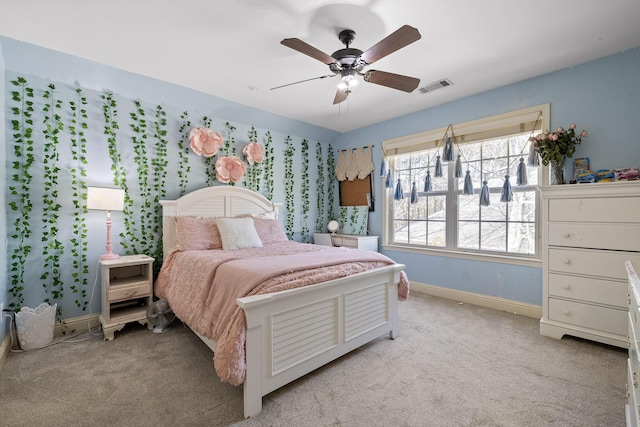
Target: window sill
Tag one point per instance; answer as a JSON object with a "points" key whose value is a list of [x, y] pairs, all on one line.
{"points": [[531, 261]]}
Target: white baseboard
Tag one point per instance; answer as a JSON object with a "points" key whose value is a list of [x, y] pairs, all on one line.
{"points": [[496, 303], [5, 347]]}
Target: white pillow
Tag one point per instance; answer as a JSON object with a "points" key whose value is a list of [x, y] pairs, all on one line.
{"points": [[238, 233]]}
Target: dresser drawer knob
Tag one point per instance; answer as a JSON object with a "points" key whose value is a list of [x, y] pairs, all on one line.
{"points": [[567, 235], [566, 286], [566, 261], [566, 311]]}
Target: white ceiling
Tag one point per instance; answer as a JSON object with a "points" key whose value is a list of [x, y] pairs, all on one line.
{"points": [[231, 49]]}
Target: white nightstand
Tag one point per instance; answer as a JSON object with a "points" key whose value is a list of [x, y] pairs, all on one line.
{"points": [[127, 292], [369, 243]]}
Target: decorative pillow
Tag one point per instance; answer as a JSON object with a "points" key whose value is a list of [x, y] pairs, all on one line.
{"points": [[197, 233], [238, 233], [269, 231]]}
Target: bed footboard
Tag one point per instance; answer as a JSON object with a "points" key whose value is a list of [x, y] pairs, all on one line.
{"points": [[294, 332]]}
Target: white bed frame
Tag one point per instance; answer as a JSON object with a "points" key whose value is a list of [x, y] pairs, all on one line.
{"points": [[291, 333]]}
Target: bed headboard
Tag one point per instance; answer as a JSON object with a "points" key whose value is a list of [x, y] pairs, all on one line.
{"points": [[218, 201]]}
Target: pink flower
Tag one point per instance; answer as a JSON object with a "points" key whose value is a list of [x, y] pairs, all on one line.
{"points": [[204, 141], [559, 130], [253, 152], [583, 134], [229, 168], [572, 126]]}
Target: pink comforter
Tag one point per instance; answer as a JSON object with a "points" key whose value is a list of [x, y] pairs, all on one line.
{"points": [[202, 286]]}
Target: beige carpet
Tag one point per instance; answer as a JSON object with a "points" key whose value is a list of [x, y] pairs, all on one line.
{"points": [[452, 365]]}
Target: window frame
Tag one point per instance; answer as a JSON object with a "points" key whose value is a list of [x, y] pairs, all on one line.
{"points": [[488, 127]]}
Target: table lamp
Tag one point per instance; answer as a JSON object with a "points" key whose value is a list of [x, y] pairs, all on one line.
{"points": [[106, 199]]}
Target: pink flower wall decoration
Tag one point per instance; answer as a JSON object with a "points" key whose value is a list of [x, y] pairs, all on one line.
{"points": [[229, 168], [253, 152], [204, 141]]}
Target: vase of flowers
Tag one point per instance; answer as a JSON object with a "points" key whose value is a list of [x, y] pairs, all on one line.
{"points": [[555, 147]]}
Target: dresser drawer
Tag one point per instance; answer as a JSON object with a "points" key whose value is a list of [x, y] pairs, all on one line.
{"points": [[596, 209], [625, 237], [587, 289], [603, 319], [117, 293], [609, 264]]}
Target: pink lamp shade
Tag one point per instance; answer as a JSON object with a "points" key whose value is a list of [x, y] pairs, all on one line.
{"points": [[106, 199]]}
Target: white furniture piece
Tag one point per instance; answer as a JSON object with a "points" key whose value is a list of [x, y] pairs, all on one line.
{"points": [[633, 362], [589, 231], [127, 292], [369, 243], [357, 309]]}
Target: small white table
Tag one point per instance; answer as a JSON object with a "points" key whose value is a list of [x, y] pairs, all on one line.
{"points": [[369, 243]]}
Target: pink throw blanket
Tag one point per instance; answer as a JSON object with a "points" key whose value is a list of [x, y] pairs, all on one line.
{"points": [[225, 276]]}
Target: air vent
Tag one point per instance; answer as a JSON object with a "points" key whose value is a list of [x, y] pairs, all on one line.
{"points": [[435, 85]]}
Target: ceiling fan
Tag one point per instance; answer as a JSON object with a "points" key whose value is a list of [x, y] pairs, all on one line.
{"points": [[350, 62]]}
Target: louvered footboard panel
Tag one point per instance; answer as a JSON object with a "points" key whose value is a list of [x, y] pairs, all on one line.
{"points": [[304, 332], [366, 309]]}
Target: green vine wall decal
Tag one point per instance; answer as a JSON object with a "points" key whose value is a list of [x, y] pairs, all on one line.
{"points": [[330, 171], [79, 189], [183, 153], [140, 234], [110, 113], [159, 163], [289, 152], [320, 196], [52, 249], [20, 191], [208, 161], [305, 190], [230, 143], [268, 166], [254, 171]]}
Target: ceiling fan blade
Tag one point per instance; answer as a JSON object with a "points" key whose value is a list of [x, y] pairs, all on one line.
{"points": [[307, 49], [402, 37], [302, 81], [395, 81], [341, 95]]}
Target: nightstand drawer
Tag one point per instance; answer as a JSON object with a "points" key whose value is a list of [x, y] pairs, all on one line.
{"points": [[589, 290], [624, 237], [119, 293], [603, 319], [608, 264]]}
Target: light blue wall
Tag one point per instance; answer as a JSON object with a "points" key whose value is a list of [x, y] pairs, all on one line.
{"points": [[602, 96], [3, 213]]}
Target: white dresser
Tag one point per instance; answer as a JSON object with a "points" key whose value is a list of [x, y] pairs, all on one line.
{"points": [[633, 363], [589, 231]]}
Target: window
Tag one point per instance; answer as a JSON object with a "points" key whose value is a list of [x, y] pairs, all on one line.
{"points": [[446, 219]]}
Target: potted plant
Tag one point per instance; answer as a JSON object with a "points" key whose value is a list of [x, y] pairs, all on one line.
{"points": [[555, 147]]}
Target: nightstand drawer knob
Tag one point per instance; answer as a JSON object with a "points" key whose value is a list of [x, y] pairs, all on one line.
{"points": [[567, 235], [566, 261], [566, 286], [566, 311]]}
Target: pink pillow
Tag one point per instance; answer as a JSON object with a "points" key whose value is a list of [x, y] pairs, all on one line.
{"points": [[269, 231], [197, 233]]}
